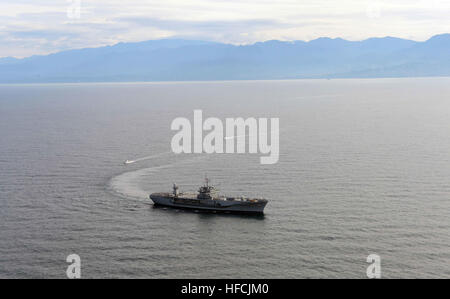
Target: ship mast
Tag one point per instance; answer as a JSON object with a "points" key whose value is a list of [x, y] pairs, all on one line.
{"points": [[175, 190]]}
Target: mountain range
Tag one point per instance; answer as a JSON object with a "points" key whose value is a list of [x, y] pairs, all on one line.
{"points": [[186, 60]]}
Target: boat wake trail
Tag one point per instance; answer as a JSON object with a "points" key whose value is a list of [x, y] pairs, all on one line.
{"points": [[146, 158], [232, 137], [137, 184], [127, 184]]}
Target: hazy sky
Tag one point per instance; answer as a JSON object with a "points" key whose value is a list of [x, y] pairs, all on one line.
{"points": [[45, 26]]}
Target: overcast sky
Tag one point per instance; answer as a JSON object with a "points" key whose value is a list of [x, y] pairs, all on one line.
{"points": [[46, 26]]}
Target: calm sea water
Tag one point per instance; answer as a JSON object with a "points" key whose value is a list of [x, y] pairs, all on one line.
{"points": [[364, 168]]}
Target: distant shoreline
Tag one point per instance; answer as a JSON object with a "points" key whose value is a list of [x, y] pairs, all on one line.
{"points": [[215, 81]]}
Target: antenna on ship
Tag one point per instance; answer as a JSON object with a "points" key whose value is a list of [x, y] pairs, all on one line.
{"points": [[206, 180], [175, 189]]}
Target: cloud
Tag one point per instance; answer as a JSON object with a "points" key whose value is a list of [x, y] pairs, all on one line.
{"points": [[231, 31], [42, 34], [206, 25]]}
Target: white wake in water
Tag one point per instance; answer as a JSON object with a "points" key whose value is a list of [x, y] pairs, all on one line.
{"points": [[146, 158], [232, 137], [129, 184]]}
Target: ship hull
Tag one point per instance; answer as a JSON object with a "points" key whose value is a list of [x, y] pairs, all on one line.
{"points": [[210, 205]]}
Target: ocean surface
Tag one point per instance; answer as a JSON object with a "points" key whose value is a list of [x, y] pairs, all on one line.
{"points": [[364, 169]]}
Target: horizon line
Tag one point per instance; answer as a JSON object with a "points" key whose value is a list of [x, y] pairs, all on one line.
{"points": [[216, 81]]}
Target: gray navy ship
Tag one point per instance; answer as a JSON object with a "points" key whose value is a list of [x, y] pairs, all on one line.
{"points": [[208, 199]]}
